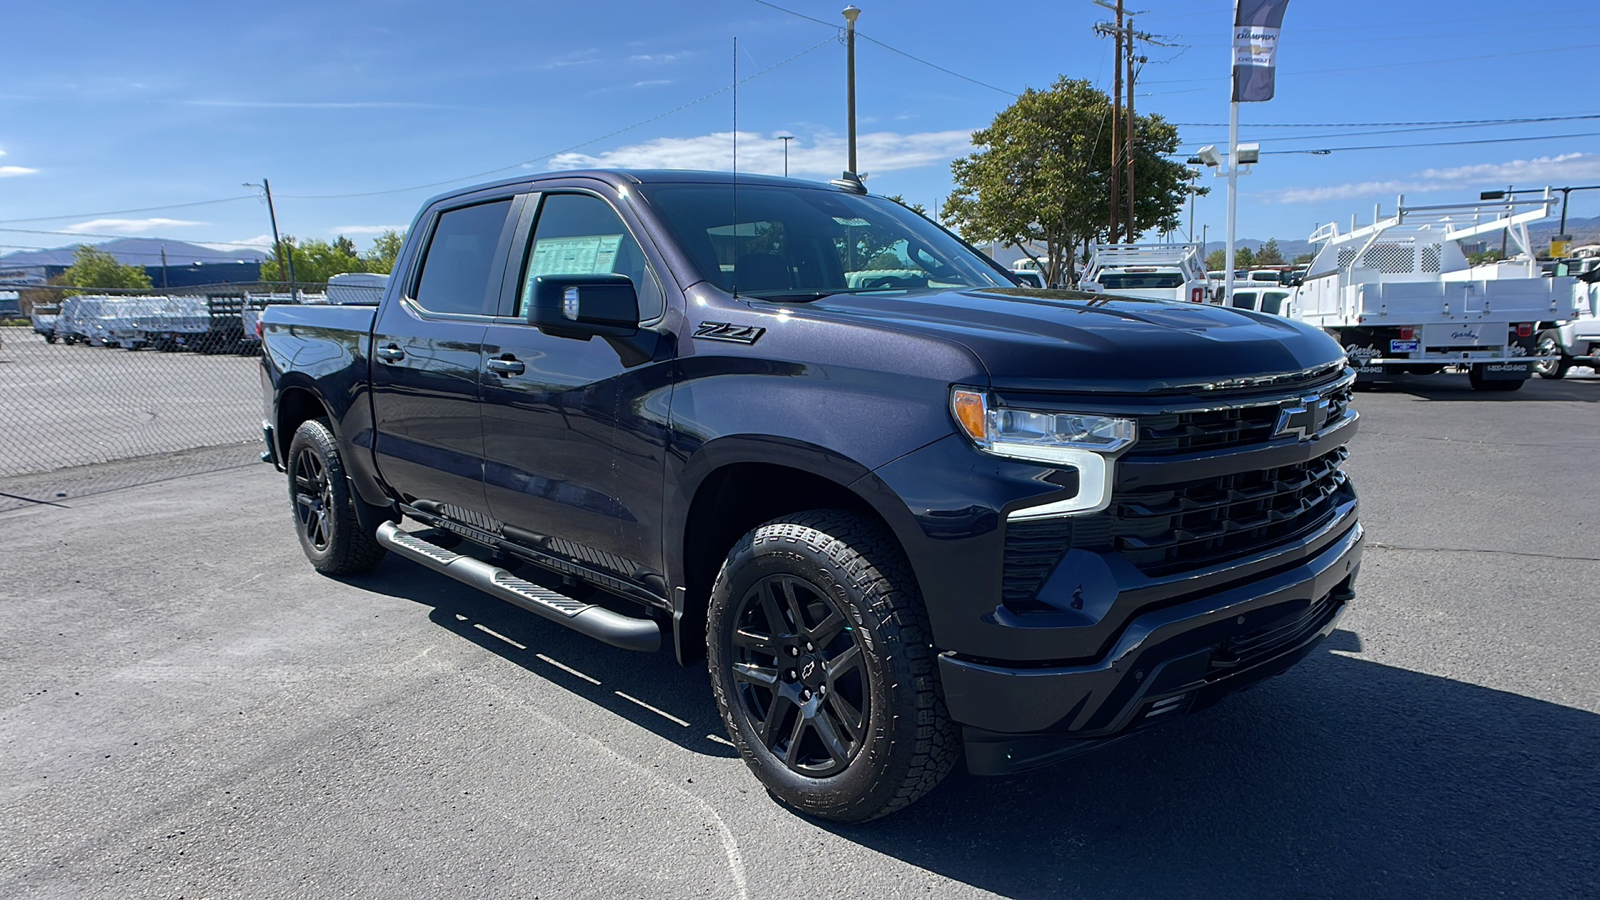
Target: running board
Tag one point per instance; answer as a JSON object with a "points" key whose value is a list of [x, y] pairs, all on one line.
{"points": [[597, 622]]}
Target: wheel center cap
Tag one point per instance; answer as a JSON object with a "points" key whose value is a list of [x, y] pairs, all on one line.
{"points": [[813, 671]]}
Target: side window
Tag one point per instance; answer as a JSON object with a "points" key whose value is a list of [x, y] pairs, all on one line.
{"points": [[578, 234], [461, 260]]}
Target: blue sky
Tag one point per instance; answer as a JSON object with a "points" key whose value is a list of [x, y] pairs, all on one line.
{"points": [[114, 115]]}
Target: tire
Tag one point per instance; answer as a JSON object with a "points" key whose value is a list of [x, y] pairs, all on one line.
{"points": [[836, 707], [322, 505], [1479, 383], [50, 338], [1548, 346]]}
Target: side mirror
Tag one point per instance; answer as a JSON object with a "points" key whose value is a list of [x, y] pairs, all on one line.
{"points": [[582, 306]]}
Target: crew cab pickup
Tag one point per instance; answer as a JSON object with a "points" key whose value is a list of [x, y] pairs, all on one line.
{"points": [[897, 517]]}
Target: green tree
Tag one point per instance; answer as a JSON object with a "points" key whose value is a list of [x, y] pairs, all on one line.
{"points": [[1216, 259], [1269, 254], [1243, 257], [315, 261], [94, 268], [1304, 259], [385, 250], [1042, 171]]}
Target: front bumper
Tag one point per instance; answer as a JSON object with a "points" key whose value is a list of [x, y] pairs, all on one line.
{"points": [[1166, 662]]}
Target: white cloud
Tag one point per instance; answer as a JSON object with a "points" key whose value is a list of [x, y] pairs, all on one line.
{"points": [[128, 226], [661, 57], [364, 229], [1567, 167], [826, 154], [259, 242], [14, 171]]}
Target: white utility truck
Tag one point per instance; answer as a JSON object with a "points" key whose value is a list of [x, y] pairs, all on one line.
{"points": [[1575, 342], [1401, 298], [1153, 271]]}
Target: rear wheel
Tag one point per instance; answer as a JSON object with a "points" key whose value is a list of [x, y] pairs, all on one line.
{"points": [[1551, 368], [324, 510], [820, 660]]}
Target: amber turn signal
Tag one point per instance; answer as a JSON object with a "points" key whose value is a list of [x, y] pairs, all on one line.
{"points": [[971, 414]]}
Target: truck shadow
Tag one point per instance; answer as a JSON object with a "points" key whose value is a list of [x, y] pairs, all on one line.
{"points": [[1343, 778], [649, 690], [1574, 388]]}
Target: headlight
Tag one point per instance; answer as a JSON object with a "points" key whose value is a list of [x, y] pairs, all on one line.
{"points": [[1079, 440], [1037, 435]]}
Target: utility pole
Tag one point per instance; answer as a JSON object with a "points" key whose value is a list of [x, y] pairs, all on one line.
{"points": [[277, 243], [163, 267], [1116, 129], [1128, 142], [850, 15]]}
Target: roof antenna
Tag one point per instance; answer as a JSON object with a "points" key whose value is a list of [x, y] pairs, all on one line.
{"points": [[736, 165]]}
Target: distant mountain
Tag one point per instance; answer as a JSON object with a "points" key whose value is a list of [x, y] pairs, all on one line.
{"points": [[137, 252]]}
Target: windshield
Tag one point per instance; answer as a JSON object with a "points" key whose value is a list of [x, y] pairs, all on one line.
{"points": [[796, 242], [1142, 280]]}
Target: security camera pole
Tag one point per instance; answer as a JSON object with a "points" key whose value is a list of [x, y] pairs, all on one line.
{"points": [[1256, 24]]}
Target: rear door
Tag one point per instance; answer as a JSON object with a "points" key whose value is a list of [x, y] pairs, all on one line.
{"points": [[426, 346], [574, 456]]}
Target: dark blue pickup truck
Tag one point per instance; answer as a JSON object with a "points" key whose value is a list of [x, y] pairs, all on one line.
{"points": [[900, 506]]}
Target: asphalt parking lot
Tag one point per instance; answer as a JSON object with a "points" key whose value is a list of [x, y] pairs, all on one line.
{"points": [[142, 403], [190, 711]]}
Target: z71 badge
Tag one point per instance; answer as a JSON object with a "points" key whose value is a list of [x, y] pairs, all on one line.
{"points": [[727, 331]]}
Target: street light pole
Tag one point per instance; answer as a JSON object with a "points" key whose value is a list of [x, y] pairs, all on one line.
{"points": [[850, 15], [786, 138]]}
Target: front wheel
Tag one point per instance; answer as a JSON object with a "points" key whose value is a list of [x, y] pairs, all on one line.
{"points": [[324, 510], [819, 653], [1551, 368]]}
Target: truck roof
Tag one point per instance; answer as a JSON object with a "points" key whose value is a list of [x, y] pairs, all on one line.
{"points": [[624, 177]]}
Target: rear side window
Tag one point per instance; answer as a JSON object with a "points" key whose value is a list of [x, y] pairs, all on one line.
{"points": [[461, 261], [579, 234]]}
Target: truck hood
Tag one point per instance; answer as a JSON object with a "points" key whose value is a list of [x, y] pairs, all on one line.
{"points": [[1068, 340]]}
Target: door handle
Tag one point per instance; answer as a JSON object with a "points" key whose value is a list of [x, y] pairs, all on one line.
{"points": [[390, 353], [506, 367]]}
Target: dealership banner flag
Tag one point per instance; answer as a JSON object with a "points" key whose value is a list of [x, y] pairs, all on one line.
{"points": [[1256, 24]]}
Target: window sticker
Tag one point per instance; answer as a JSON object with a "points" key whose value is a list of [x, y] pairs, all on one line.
{"points": [[593, 254]]}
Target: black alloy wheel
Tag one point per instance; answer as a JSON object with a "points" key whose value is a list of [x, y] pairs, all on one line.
{"points": [[313, 498], [798, 669], [330, 532], [823, 667]]}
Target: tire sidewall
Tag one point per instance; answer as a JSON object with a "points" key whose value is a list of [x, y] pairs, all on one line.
{"points": [[864, 777], [317, 437]]}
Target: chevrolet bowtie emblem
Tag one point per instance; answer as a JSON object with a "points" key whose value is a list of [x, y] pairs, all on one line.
{"points": [[1303, 417]]}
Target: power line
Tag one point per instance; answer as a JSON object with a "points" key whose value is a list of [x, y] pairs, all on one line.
{"points": [[518, 165], [909, 56], [1512, 140], [120, 212], [1398, 65], [121, 236], [1392, 124]]}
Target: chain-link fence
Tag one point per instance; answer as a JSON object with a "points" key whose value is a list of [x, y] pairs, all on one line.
{"points": [[104, 392]]}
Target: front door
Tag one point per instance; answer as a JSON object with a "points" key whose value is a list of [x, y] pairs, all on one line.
{"points": [[426, 348], [574, 456]]}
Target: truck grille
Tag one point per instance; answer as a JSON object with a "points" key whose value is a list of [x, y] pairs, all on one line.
{"points": [[1225, 428], [1173, 528]]}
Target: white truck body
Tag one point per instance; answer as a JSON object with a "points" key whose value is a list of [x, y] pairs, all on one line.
{"points": [[1152, 271], [1400, 295], [1575, 341]]}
